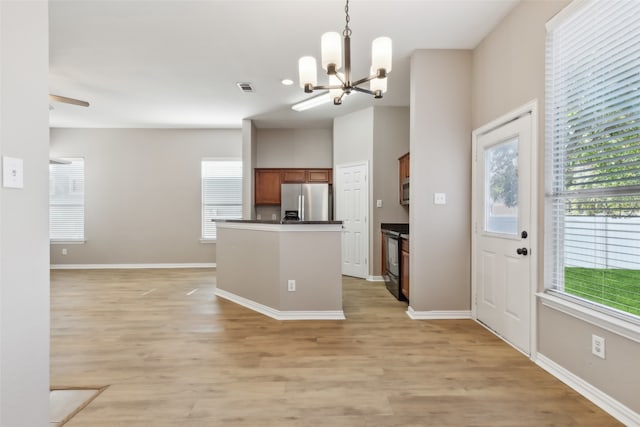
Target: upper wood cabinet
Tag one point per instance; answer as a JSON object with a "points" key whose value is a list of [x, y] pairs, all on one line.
{"points": [[267, 187], [404, 167], [267, 181], [320, 175], [293, 176]]}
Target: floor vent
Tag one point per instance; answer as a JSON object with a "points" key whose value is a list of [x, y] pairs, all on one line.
{"points": [[245, 87]]}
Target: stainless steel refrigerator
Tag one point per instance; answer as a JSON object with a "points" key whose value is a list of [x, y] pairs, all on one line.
{"points": [[306, 202]]}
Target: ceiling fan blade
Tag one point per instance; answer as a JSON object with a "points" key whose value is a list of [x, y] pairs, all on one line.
{"points": [[66, 100]]}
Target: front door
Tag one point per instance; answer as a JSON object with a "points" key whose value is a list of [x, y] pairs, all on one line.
{"points": [[502, 249], [352, 204]]}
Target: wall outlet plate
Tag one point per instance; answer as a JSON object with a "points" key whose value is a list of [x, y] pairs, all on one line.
{"points": [[439, 198], [12, 172], [598, 346], [291, 285]]}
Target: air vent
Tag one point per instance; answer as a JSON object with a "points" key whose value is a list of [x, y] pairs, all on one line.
{"points": [[245, 87]]}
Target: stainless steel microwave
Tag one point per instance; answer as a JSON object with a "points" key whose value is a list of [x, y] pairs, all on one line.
{"points": [[404, 192]]}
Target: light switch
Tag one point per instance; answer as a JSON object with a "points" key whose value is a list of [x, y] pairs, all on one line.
{"points": [[439, 198], [12, 173], [379, 203]]}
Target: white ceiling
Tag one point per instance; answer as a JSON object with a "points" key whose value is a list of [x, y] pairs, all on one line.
{"points": [[164, 64]]}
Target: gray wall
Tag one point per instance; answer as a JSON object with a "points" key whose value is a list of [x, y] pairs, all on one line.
{"points": [[142, 193], [353, 137], [390, 141], [294, 148], [440, 162], [24, 235], [311, 258], [377, 135], [509, 71], [290, 148], [248, 164]]}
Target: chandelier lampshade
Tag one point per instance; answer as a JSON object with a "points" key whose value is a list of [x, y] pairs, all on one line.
{"points": [[307, 71], [336, 55], [331, 47]]}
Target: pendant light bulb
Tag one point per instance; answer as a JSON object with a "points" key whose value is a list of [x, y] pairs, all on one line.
{"points": [[307, 71], [381, 54], [331, 46]]}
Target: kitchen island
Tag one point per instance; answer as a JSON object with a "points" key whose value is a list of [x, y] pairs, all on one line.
{"points": [[290, 270]]}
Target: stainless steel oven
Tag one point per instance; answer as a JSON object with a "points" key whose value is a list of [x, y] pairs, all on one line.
{"points": [[392, 251]]}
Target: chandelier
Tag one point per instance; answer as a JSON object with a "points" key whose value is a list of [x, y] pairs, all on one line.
{"points": [[340, 83]]}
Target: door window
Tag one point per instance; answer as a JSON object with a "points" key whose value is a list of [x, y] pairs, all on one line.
{"points": [[501, 188]]}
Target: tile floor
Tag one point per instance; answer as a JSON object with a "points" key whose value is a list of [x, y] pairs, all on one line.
{"points": [[64, 404]]}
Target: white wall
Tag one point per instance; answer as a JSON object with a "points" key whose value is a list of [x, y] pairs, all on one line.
{"points": [[24, 245], [142, 193], [440, 162]]}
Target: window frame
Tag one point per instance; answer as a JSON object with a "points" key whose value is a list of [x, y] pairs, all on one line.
{"points": [[601, 315], [69, 240], [203, 238]]}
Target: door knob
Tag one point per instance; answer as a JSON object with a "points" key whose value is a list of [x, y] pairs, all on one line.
{"points": [[522, 251], [524, 234]]}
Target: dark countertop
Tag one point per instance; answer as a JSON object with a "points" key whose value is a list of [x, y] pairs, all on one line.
{"points": [[400, 228], [261, 221]]}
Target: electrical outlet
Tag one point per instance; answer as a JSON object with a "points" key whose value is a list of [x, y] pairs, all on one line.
{"points": [[598, 346], [291, 285], [439, 199], [274, 217], [64, 251], [379, 203]]}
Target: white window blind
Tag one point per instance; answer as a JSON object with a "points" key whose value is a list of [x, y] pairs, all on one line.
{"points": [[221, 193], [66, 201], [593, 156]]}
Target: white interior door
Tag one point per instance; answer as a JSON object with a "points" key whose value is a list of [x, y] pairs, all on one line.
{"points": [[502, 249], [352, 203]]}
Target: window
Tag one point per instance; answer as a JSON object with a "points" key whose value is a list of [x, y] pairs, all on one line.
{"points": [[221, 193], [593, 157], [66, 200]]}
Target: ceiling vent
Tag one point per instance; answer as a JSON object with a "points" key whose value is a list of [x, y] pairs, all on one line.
{"points": [[245, 87]]}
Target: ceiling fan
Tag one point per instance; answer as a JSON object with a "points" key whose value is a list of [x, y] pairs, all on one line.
{"points": [[64, 99]]}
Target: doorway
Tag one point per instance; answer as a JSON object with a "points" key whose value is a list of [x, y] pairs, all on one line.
{"points": [[504, 227], [352, 208]]}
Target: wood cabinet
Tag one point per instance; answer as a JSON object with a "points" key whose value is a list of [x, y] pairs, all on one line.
{"points": [[293, 176], [404, 267], [403, 175], [320, 175], [267, 181], [267, 187], [404, 166]]}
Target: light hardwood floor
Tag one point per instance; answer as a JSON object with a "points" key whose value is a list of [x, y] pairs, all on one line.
{"points": [[173, 357]]}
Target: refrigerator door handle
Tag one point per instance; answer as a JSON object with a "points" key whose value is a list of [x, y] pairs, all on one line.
{"points": [[302, 206], [299, 207]]}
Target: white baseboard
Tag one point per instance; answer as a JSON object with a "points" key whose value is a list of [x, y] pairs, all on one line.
{"points": [[280, 315], [438, 314], [375, 279], [128, 266], [621, 412]]}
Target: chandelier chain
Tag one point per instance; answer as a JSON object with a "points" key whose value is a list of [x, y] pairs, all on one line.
{"points": [[347, 30]]}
